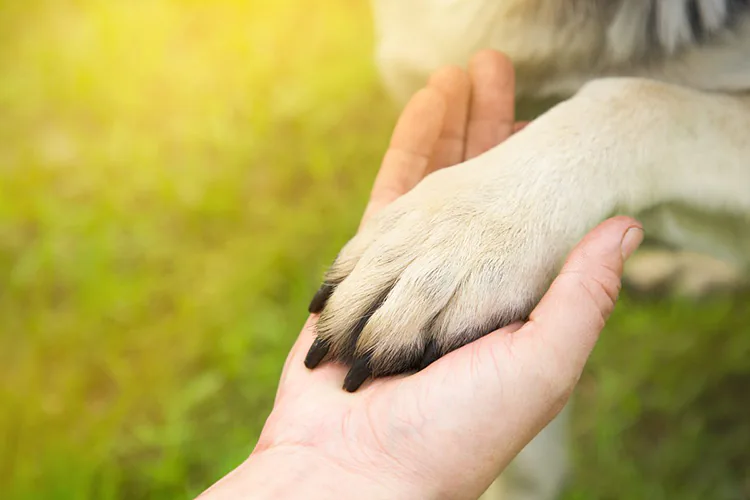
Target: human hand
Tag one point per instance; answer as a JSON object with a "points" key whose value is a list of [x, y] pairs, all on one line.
{"points": [[450, 429]]}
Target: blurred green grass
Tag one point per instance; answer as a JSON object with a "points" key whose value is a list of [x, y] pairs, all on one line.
{"points": [[175, 177]]}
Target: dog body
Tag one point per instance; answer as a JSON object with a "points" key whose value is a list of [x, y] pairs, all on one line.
{"points": [[657, 125], [557, 46]]}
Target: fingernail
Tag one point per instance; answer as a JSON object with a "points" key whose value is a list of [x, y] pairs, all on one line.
{"points": [[631, 241]]}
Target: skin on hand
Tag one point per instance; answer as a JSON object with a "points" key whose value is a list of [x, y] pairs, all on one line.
{"points": [[458, 116], [450, 429]]}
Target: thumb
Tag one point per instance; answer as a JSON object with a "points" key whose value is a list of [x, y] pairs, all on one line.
{"points": [[563, 329], [543, 358], [536, 366]]}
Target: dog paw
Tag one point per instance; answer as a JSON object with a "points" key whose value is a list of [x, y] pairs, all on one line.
{"points": [[440, 267]]}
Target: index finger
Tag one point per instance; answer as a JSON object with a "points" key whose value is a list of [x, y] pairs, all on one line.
{"points": [[411, 148]]}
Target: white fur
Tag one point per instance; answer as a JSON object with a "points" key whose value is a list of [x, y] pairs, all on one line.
{"points": [[713, 12], [557, 49], [673, 24]]}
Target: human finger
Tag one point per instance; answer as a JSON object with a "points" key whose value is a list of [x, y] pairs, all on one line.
{"points": [[411, 148], [518, 126], [492, 108], [568, 320], [455, 85]]}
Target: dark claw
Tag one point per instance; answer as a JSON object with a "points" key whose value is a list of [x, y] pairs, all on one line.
{"points": [[318, 301], [359, 372], [431, 354], [317, 352]]}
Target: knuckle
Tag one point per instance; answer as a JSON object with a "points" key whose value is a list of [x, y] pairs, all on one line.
{"points": [[603, 288]]}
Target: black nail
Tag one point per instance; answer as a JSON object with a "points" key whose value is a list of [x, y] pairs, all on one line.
{"points": [[320, 298], [431, 354], [317, 352], [359, 372]]}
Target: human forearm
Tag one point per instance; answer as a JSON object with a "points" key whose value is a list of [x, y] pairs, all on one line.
{"points": [[276, 474]]}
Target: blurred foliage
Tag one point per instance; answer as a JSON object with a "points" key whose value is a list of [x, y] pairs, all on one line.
{"points": [[175, 176]]}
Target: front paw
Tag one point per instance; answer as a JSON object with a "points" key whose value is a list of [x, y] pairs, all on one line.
{"points": [[442, 266]]}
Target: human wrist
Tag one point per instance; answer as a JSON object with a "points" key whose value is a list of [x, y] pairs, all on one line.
{"points": [[298, 472]]}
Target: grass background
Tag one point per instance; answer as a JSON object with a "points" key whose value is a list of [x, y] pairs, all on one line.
{"points": [[175, 177]]}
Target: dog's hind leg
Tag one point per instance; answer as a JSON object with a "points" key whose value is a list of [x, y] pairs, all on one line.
{"points": [[656, 271]]}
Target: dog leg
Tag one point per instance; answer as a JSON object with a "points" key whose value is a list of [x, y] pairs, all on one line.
{"points": [[473, 247]]}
